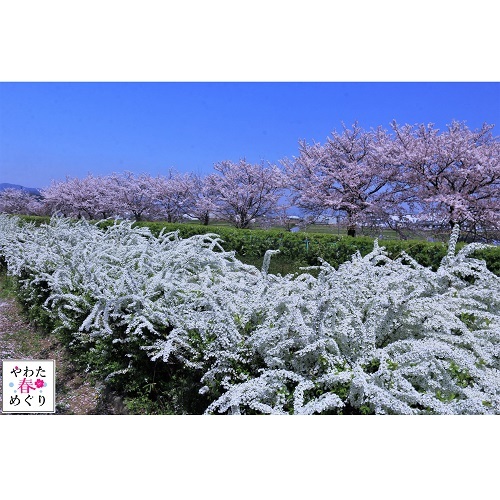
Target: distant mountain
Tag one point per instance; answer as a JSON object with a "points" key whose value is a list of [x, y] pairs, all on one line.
{"points": [[5, 185]]}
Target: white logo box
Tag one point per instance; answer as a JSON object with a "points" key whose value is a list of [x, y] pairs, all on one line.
{"points": [[29, 386]]}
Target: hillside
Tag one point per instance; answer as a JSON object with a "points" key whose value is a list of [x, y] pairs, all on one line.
{"points": [[5, 185]]}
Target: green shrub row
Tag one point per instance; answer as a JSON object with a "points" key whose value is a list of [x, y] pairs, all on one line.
{"points": [[304, 249]]}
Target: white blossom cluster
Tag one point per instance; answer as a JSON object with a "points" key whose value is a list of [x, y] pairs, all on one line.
{"points": [[374, 336]]}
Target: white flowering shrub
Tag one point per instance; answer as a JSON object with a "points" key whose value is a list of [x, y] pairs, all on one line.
{"points": [[374, 336]]}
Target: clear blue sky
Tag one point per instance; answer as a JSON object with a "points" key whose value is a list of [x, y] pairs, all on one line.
{"points": [[50, 130]]}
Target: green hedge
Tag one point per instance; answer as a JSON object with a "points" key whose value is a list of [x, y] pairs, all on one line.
{"points": [[38, 220], [303, 249]]}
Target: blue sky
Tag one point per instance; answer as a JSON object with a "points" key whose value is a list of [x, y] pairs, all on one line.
{"points": [[50, 130]]}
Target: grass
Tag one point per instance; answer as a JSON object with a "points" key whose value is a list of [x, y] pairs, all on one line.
{"points": [[7, 286], [28, 340], [30, 343], [335, 230], [278, 265], [386, 234]]}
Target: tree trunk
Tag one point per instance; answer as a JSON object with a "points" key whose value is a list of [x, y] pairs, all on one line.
{"points": [[351, 226]]}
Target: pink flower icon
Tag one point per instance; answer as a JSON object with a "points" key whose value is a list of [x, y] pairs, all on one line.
{"points": [[39, 383]]}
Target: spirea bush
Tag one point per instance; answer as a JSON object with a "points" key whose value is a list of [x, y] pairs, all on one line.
{"points": [[377, 335]]}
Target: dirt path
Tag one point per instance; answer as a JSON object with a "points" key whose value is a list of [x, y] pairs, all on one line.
{"points": [[75, 395]]}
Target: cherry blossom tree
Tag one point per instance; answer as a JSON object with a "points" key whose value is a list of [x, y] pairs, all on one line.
{"points": [[90, 197], [454, 175], [203, 203], [244, 192], [58, 198], [18, 201], [174, 194], [127, 195], [351, 174], [135, 195]]}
